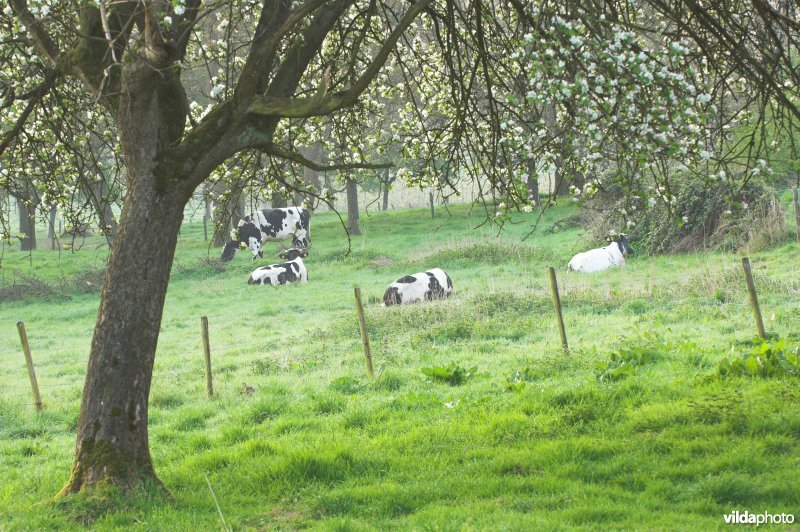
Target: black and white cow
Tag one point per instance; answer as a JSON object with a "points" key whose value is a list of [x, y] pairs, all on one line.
{"points": [[287, 272], [599, 259], [270, 225], [423, 286]]}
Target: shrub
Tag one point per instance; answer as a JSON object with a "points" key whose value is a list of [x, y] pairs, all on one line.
{"points": [[453, 375], [763, 360], [702, 216]]}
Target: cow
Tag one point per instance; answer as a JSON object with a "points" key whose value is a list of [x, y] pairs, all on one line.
{"points": [[287, 272], [599, 259], [422, 286], [270, 225]]}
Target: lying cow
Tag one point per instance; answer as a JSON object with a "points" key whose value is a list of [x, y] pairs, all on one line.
{"points": [[599, 259], [270, 225], [287, 272], [423, 286]]}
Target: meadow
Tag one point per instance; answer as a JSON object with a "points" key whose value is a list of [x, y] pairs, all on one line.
{"points": [[633, 427]]}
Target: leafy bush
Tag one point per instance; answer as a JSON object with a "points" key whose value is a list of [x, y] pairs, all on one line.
{"points": [[624, 363], [519, 379], [702, 216], [452, 374], [763, 360]]}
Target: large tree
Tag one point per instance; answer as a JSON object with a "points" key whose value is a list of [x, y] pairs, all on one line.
{"points": [[129, 56], [289, 65]]}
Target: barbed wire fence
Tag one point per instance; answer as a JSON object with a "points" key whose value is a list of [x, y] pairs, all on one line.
{"points": [[568, 294]]}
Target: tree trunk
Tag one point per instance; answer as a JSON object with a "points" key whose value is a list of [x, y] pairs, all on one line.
{"points": [[277, 201], [352, 207], [27, 224], [226, 217], [99, 194], [51, 226], [533, 183], [112, 430], [310, 176], [112, 442], [385, 197]]}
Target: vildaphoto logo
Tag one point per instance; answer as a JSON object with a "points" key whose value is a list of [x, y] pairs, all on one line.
{"points": [[746, 518]]}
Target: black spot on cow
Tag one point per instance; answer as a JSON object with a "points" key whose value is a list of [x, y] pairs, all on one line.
{"points": [[392, 296], [407, 279], [287, 275], [247, 231], [291, 211], [275, 219]]}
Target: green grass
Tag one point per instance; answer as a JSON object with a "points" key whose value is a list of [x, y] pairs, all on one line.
{"points": [[532, 439]]}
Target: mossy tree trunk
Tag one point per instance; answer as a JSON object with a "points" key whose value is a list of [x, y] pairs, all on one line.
{"points": [[112, 443]]}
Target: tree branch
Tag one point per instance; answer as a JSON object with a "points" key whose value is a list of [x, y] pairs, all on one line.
{"points": [[44, 42], [314, 106], [274, 149]]}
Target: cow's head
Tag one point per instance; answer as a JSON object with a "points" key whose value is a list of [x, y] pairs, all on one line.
{"points": [[622, 242], [249, 235], [293, 253]]}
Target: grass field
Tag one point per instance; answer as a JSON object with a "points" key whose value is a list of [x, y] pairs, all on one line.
{"points": [[533, 438]]}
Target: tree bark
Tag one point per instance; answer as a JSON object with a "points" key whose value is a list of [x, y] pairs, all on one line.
{"points": [[352, 207], [27, 224], [112, 442], [385, 197], [112, 430]]}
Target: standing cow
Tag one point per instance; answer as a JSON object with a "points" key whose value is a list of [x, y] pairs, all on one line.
{"points": [[270, 225], [599, 259], [288, 272], [423, 286]]}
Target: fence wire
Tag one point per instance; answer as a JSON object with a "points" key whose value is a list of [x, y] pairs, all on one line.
{"points": [[578, 295]]}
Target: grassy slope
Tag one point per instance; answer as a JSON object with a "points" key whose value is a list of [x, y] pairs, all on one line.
{"points": [[319, 445]]}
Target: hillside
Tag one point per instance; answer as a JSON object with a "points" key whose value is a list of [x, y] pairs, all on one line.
{"points": [[632, 428]]}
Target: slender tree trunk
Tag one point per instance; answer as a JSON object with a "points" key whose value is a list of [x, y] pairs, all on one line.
{"points": [[277, 201], [352, 207], [385, 197], [226, 217], [27, 225], [310, 176], [51, 226], [99, 194], [533, 183]]}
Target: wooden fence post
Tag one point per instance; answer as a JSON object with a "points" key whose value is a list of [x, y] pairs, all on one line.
{"points": [[207, 353], [751, 287], [362, 323], [796, 213], [26, 349], [557, 307]]}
